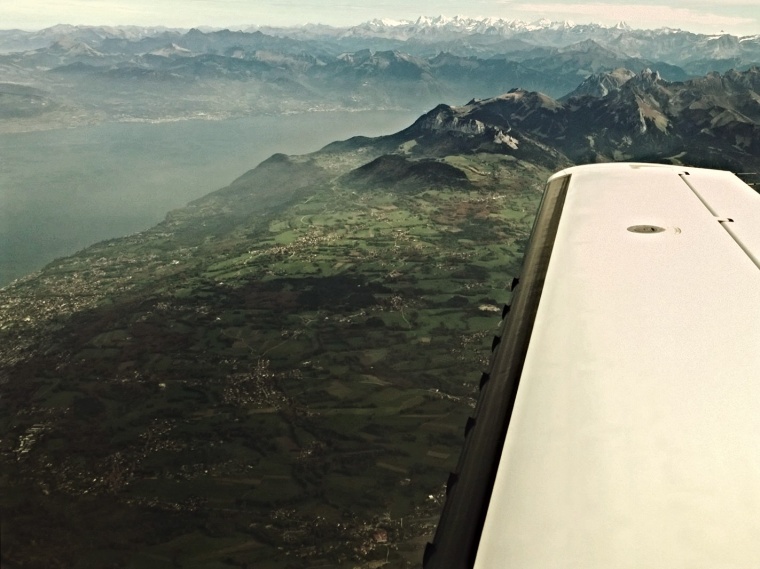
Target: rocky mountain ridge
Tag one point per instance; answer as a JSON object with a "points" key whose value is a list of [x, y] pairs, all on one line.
{"points": [[664, 44], [711, 121]]}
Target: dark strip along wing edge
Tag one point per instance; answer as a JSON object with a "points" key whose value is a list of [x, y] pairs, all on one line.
{"points": [[469, 488]]}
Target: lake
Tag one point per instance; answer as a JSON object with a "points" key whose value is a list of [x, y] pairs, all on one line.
{"points": [[62, 190]]}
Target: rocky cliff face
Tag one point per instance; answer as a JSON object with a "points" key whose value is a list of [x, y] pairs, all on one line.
{"points": [[601, 84]]}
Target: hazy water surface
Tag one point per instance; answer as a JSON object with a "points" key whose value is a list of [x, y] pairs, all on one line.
{"points": [[62, 190]]}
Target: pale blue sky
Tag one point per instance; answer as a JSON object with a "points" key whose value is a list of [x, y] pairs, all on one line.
{"points": [[740, 17]]}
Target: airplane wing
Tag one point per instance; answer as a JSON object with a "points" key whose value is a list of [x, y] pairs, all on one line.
{"points": [[619, 422]]}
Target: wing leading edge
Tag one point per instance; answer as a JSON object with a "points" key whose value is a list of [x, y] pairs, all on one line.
{"points": [[616, 425]]}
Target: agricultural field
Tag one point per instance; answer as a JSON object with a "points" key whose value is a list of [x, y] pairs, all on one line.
{"points": [[276, 376]]}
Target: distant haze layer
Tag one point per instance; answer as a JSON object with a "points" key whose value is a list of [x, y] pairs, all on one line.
{"points": [[739, 17]]}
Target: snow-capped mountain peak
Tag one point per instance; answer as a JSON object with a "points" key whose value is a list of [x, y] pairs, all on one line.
{"points": [[442, 26]]}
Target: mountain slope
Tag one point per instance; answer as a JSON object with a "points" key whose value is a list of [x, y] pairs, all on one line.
{"points": [[284, 362]]}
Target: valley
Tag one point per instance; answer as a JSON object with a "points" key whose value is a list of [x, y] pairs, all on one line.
{"points": [[313, 364]]}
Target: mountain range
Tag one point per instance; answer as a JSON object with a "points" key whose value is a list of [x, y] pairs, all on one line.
{"points": [[278, 373], [150, 74]]}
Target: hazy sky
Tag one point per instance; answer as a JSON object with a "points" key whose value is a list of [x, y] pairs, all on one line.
{"points": [[740, 17]]}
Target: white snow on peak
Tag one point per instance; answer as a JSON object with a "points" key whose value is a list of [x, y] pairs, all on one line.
{"points": [[433, 25], [171, 49], [385, 23]]}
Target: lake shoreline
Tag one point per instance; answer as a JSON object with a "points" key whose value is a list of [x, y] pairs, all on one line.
{"points": [[62, 190]]}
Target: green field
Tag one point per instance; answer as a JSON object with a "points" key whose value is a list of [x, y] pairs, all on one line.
{"points": [[265, 389]]}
